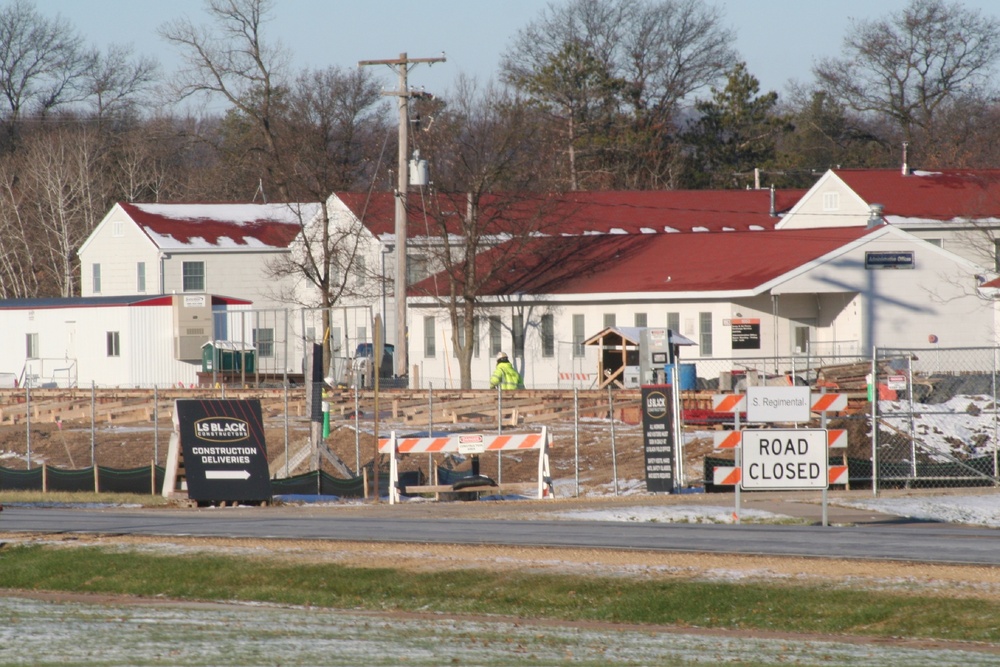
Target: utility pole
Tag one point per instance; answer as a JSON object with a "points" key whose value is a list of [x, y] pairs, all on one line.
{"points": [[401, 66]]}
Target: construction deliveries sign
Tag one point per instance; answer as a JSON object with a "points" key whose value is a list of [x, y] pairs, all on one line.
{"points": [[225, 458]]}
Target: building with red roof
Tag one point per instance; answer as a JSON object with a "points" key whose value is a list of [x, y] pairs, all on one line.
{"points": [[765, 295], [798, 272], [956, 209]]}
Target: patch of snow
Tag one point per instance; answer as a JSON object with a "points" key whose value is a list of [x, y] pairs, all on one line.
{"points": [[978, 510]]}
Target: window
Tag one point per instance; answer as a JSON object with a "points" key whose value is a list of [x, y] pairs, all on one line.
{"points": [[802, 335], [495, 336], [609, 320], [674, 322], [140, 277], [263, 340], [96, 273], [334, 339], [578, 335], [359, 271], [416, 269], [117, 228], [705, 333], [801, 339], [430, 350], [640, 320], [517, 328], [193, 277], [31, 345], [831, 201], [461, 336], [996, 255], [114, 345], [335, 272], [548, 336]]}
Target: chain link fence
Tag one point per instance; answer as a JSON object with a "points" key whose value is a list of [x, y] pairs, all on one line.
{"points": [[936, 412], [937, 417]]}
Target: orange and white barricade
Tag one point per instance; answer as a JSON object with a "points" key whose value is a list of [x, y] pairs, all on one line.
{"points": [[469, 443]]}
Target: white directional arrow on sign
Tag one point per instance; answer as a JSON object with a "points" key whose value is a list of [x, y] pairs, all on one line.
{"points": [[227, 474]]}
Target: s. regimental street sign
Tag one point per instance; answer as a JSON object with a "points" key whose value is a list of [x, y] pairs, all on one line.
{"points": [[658, 437], [225, 458]]}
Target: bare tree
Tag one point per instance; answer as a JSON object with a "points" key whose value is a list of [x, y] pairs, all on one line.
{"points": [[613, 73], [229, 58], [304, 138], [913, 64], [483, 147], [115, 81], [19, 277], [42, 62], [63, 175]]}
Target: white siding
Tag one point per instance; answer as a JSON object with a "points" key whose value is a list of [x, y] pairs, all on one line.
{"points": [[118, 256], [814, 209], [241, 275]]}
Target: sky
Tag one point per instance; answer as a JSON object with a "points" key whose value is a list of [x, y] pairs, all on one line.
{"points": [[780, 40]]}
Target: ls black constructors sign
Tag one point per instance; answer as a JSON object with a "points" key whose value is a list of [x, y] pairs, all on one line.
{"points": [[225, 458], [658, 437]]}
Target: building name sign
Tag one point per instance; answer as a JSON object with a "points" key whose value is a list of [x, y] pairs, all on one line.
{"points": [[902, 259]]}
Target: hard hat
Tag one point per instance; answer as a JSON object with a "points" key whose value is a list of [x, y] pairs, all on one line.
{"points": [[501, 356]]}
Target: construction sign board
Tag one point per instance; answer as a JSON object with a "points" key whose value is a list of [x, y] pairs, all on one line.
{"points": [[785, 459], [658, 437], [222, 441]]}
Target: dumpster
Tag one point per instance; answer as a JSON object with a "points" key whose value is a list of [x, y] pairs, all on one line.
{"points": [[228, 356]]}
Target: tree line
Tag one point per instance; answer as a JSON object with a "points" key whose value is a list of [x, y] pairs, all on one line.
{"points": [[590, 95]]}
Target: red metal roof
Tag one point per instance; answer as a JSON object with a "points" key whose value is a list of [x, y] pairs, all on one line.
{"points": [[938, 195], [574, 213], [652, 262], [219, 225]]}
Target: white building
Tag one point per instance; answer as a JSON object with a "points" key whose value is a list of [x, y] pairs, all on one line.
{"points": [[750, 295], [129, 341], [704, 263]]}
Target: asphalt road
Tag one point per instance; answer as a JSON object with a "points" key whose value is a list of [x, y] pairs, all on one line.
{"points": [[904, 541]]}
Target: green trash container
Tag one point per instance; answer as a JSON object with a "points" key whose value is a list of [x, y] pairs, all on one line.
{"points": [[226, 356]]}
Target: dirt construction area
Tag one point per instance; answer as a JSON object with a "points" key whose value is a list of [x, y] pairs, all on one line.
{"points": [[586, 458], [595, 451]]}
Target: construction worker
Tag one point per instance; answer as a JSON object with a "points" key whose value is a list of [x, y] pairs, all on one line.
{"points": [[505, 375]]}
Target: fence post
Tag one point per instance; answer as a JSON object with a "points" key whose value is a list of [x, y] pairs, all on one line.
{"points": [[996, 468], [357, 436], [614, 453], [285, 387], [97, 481], [156, 426], [874, 412], [913, 428], [93, 422], [430, 426], [576, 438], [27, 420]]}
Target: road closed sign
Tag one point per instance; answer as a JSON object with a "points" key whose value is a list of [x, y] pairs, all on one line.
{"points": [[784, 459]]}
